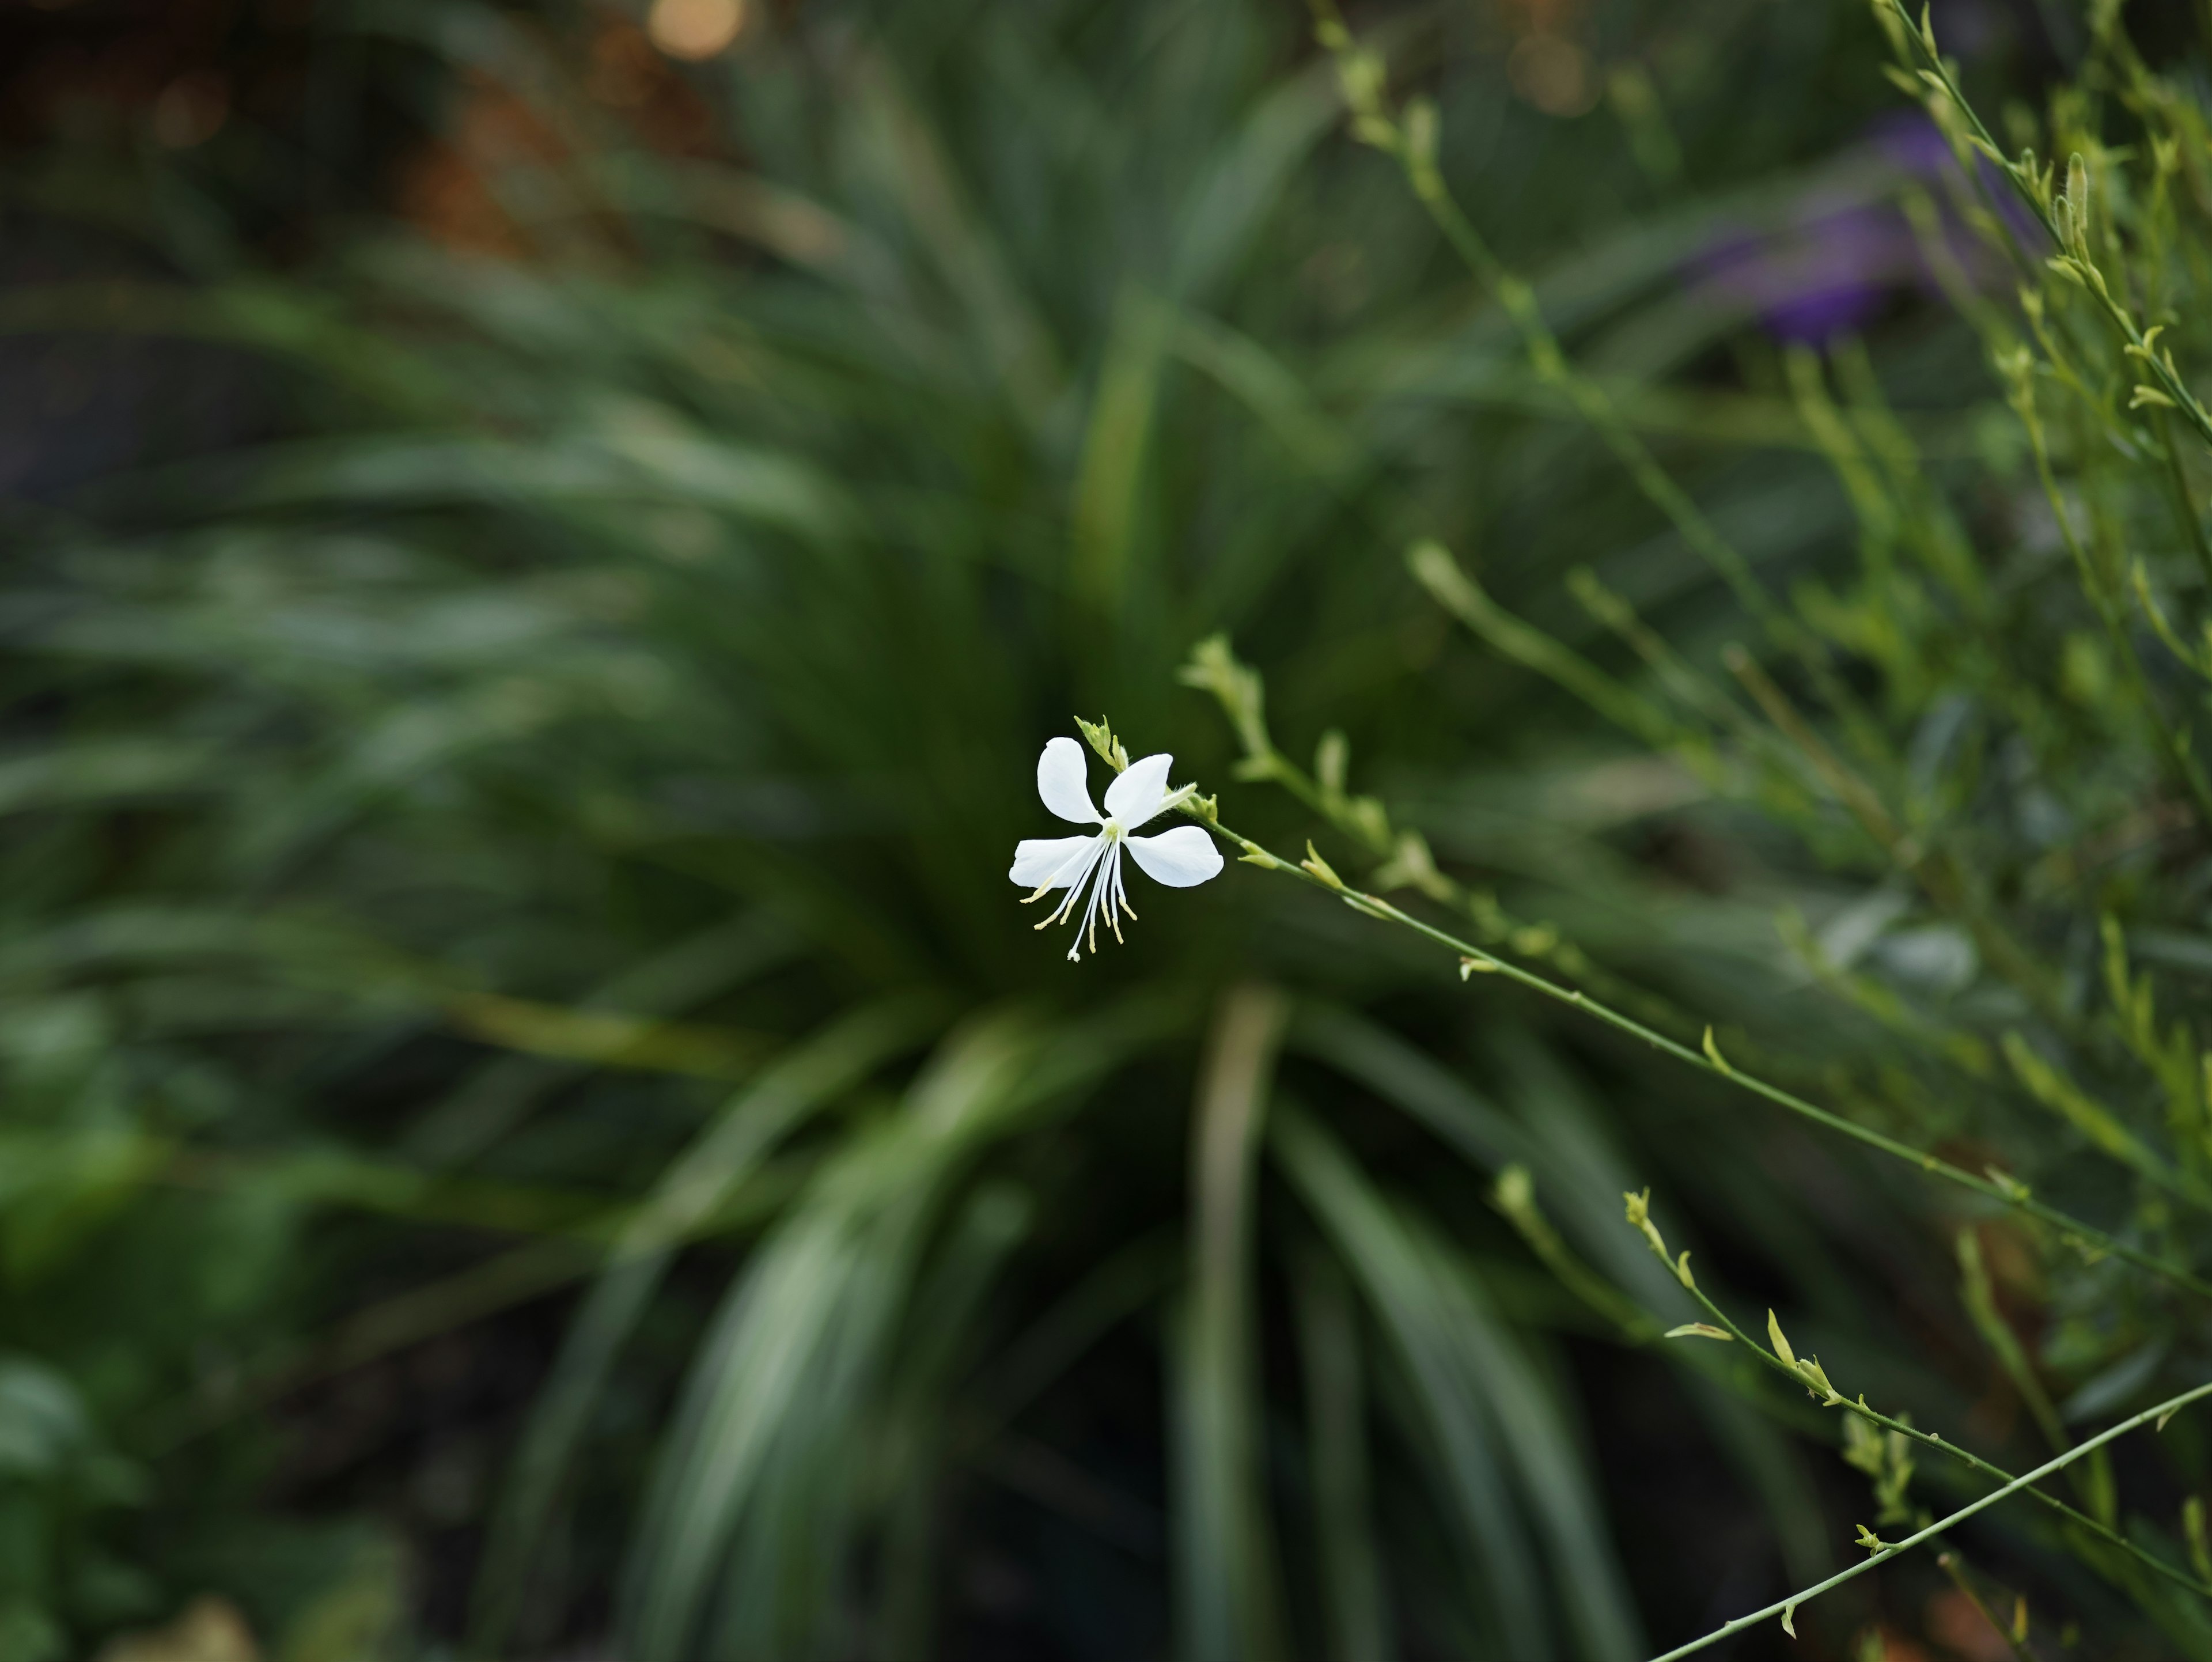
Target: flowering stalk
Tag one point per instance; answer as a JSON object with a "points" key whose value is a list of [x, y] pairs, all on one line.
{"points": [[1364, 821], [1996, 1186]]}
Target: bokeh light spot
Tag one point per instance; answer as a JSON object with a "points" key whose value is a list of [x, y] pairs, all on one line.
{"points": [[1554, 74], [695, 30]]}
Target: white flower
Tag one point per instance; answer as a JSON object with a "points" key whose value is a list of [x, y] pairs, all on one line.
{"points": [[1179, 858]]}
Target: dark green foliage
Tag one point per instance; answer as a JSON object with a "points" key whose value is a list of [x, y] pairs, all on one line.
{"points": [[519, 1047]]}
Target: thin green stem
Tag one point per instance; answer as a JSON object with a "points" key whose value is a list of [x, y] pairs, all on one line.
{"points": [[2073, 261], [2186, 774], [1788, 1606], [2185, 510], [1997, 1186], [1411, 140], [1952, 1566], [1929, 1439], [1365, 822]]}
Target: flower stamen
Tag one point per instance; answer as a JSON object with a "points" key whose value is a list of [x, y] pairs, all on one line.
{"points": [[1113, 918], [1074, 888]]}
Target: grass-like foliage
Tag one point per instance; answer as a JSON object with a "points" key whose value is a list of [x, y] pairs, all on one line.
{"points": [[533, 1116]]}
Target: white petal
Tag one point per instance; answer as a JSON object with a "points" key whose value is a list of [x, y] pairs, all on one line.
{"points": [[1049, 862], [1136, 793], [1060, 781], [1180, 858]]}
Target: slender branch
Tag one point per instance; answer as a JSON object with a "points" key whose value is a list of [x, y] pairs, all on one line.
{"points": [[1995, 1186], [1832, 1398], [1787, 1607], [1365, 822], [1410, 137], [1951, 1565], [2065, 221], [2185, 510], [2094, 584]]}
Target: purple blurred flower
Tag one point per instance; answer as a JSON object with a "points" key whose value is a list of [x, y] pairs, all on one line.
{"points": [[1825, 275], [1844, 253]]}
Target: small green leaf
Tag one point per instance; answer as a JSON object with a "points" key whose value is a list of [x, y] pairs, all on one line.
{"points": [[1713, 1055], [1775, 1338]]}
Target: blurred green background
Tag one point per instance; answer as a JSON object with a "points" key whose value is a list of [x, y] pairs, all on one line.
{"points": [[543, 544]]}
